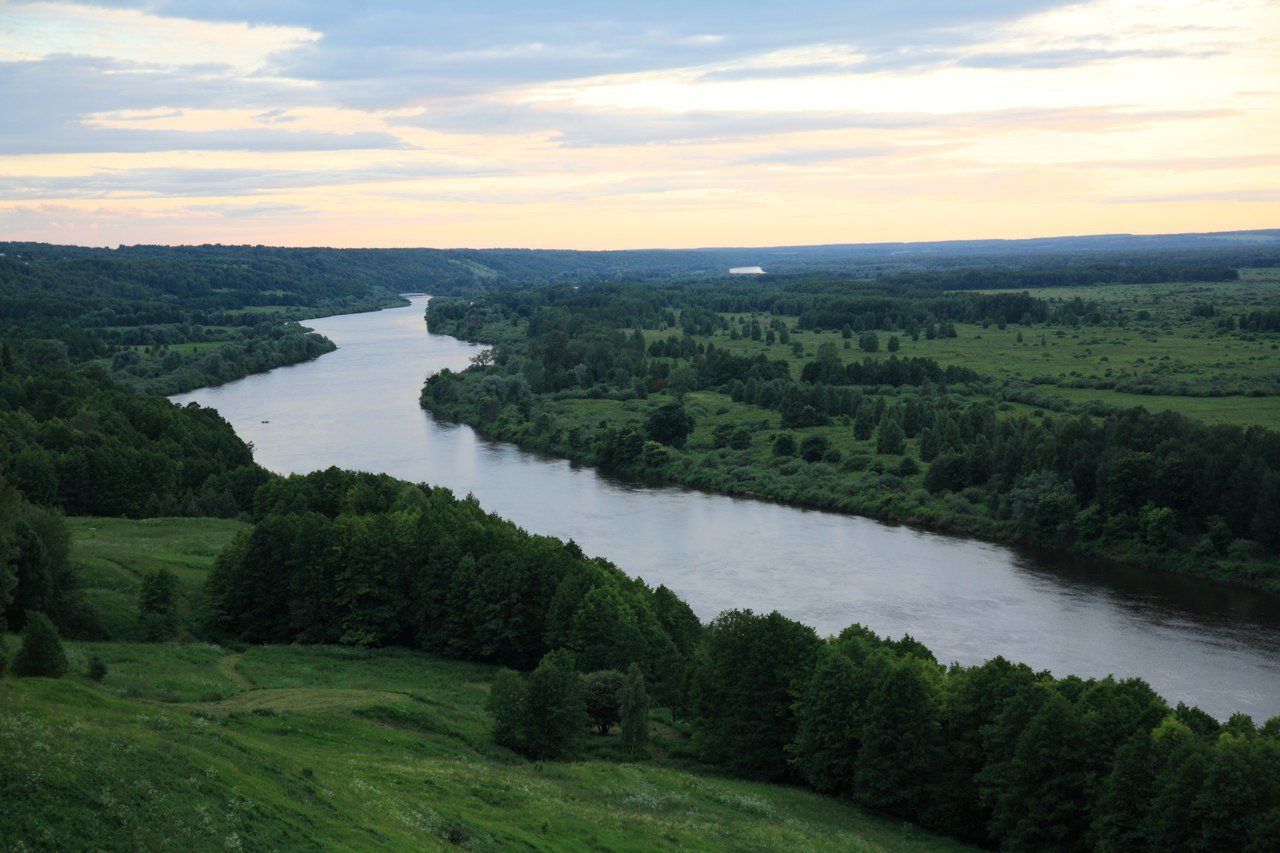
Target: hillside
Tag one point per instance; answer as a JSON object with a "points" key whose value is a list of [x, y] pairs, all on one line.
{"points": [[197, 746]]}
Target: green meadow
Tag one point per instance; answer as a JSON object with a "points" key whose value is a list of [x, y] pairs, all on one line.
{"points": [[1162, 345]]}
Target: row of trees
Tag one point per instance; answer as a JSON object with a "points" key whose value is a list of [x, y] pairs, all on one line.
{"points": [[341, 557], [996, 755]]}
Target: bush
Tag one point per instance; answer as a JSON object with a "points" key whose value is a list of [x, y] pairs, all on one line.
{"points": [[97, 668], [41, 654]]}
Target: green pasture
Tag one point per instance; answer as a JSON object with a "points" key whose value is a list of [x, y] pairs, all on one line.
{"points": [[1194, 366]]}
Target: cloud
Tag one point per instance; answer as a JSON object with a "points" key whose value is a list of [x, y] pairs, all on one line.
{"points": [[1246, 196], [815, 156], [40, 30], [173, 182]]}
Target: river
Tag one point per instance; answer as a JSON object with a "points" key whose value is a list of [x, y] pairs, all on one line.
{"points": [[1208, 645]]}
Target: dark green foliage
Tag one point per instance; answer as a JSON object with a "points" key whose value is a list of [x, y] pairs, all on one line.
{"points": [[828, 724], [890, 438], [82, 444], [634, 711], [505, 705], [784, 444], [157, 604], [669, 424], [41, 653], [1042, 797], [604, 698], [747, 675], [555, 712], [543, 716], [97, 669], [363, 559], [814, 447], [900, 762]]}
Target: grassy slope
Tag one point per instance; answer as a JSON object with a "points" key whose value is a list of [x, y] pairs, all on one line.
{"points": [[194, 746], [343, 749], [112, 555]]}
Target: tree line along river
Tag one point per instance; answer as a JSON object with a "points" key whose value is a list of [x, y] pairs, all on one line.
{"points": [[1209, 645]]}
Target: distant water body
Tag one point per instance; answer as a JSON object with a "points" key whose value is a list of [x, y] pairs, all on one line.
{"points": [[1212, 646]]}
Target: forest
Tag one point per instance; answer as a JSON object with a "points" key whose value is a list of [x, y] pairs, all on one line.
{"points": [[816, 389]]}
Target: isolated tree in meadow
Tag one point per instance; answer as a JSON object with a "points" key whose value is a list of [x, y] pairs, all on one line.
{"points": [[157, 602], [41, 654], [634, 710], [864, 422]]}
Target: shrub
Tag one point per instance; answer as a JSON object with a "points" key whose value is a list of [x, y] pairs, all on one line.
{"points": [[41, 653], [97, 668]]}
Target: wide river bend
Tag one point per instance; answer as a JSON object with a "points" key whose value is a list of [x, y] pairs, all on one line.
{"points": [[1208, 645]]}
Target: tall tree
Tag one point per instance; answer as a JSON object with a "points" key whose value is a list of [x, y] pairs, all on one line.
{"points": [[634, 710]]}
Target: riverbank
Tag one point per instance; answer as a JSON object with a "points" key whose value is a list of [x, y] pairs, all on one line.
{"points": [[610, 434]]}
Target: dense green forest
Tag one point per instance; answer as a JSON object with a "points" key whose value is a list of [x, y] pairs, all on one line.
{"points": [[757, 388]]}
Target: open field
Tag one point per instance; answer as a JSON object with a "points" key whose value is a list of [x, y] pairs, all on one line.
{"points": [[339, 748], [1187, 362], [112, 555]]}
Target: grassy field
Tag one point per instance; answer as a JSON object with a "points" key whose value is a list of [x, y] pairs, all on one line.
{"points": [[1161, 344], [199, 747], [193, 746], [112, 555]]}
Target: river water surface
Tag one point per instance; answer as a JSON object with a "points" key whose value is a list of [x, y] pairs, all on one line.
{"points": [[1204, 644]]}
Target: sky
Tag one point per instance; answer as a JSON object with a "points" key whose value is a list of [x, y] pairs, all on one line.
{"points": [[610, 125]]}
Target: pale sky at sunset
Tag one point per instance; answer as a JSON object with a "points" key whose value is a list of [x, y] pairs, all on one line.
{"points": [[595, 125]]}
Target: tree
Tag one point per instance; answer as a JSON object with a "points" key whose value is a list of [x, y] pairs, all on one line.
{"points": [[900, 760], [749, 671], [505, 705], [156, 603], [894, 344], [814, 447], [828, 725], [604, 698], [868, 342], [890, 439], [555, 707], [669, 424], [41, 652], [784, 444], [634, 710], [681, 380]]}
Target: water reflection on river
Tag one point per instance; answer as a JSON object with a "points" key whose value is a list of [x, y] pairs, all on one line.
{"points": [[1215, 647]]}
